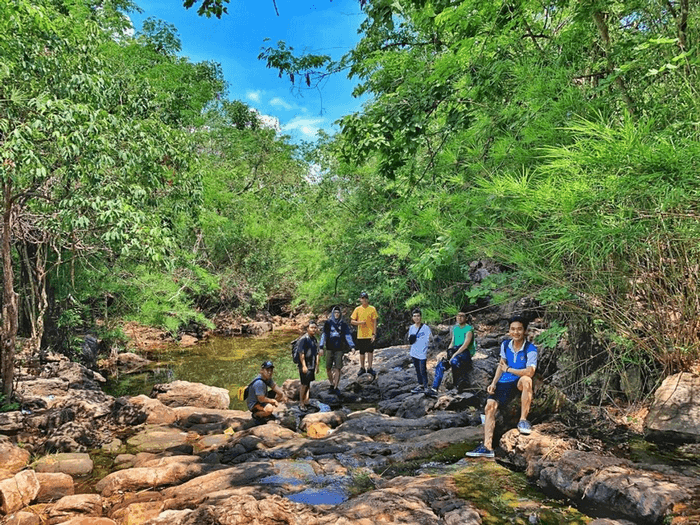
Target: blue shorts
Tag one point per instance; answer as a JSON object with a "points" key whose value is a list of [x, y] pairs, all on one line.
{"points": [[505, 393]]}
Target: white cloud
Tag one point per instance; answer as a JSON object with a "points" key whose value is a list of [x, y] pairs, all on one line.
{"points": [[254, 96], [307, 126], [279, 102]]}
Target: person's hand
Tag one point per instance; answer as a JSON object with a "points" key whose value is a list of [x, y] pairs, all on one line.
{"points": [[273, 402], [372, 338], [320, 351], [491, 389], [281, 397], [304, 370], [503, 366]]}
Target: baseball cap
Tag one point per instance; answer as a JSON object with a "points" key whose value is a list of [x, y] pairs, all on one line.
{"points": [[267, 364], [364, 295]]}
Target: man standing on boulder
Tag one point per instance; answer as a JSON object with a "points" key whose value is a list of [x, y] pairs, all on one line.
{"points": [[258, 401], [308, 363], [365, 318], [516, 369], [336, 333]]}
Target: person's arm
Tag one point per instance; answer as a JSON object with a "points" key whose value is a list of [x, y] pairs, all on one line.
{"points": [[373, 323], [323, 341], [262, 398], [318, 361], [281, 397], [348, 336], [302, 354], [354, 319], [502, 365]]}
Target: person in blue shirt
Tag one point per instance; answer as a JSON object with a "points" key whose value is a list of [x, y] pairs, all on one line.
{"points": [[419, 336], [336, 334], [514, 373]]}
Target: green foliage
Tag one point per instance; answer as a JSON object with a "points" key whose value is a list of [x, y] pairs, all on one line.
{"points": [[7, 406], [550, 337]]}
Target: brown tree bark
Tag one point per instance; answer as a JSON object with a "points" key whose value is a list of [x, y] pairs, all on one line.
{"points": [[9, 297]]}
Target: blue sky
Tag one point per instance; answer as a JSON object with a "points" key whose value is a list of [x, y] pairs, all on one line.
{"points": [[234, 41]]}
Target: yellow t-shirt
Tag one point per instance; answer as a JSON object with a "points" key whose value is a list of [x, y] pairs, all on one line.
{"points": [[368, 314]]}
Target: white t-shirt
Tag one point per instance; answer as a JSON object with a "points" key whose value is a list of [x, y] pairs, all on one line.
{"points": [[419, 349]]}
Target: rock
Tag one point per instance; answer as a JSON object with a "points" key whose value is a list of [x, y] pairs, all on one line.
{"points": [[187, 340], [89, 521], [129, 362], [184, 393], [54, 486], [157, 412], [318, 430], [18, 491], [11, 422], [199, 488], [256, 328], [158, 473], [22, 518], [88, 506], [616, 485], [154, 438], [14, 458], [74, 464], [331, 419], [138, 508], [675, 413]]}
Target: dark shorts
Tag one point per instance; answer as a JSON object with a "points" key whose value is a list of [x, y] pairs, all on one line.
{"points": [[505, 393], [334, 359], [365, 346], [307, 377]]}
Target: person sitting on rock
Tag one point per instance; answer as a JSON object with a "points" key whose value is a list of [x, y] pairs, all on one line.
{"points": [[459, 354], [258, 400], [308, 363], [419, 336], [515, 369], [336, 333]]}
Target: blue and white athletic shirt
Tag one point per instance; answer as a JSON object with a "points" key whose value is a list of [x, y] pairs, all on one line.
{"points": [[527, 356], [419, 349]]}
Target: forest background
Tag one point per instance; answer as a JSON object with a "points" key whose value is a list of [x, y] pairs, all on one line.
{"points": [[558, 140]]}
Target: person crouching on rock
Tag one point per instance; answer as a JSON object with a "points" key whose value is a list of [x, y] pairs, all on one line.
{"points": [[336, 333], [514, 373], [308, 363], [259, 401], [419, 336]]}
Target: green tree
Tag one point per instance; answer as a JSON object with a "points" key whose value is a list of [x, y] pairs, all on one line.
{"points": [[85, 158]]}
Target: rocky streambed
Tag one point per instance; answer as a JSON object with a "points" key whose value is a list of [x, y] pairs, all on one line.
{"points": [[74, 455]]}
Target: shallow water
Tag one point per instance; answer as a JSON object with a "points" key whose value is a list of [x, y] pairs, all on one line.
{"points": [[226, 362]]}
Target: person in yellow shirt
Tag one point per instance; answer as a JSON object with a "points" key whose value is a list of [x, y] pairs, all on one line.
{"points": [[365, 318]]}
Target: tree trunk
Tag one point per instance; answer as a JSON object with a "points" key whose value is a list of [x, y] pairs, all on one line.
{"points": [[9, 297], [37, 301]]}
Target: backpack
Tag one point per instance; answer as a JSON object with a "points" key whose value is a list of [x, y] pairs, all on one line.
{"points": [[295, 351], [243, 392]]}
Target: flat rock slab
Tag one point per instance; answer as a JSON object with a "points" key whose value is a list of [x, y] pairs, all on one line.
{"points": [[157, 439], [71, 463], [185, 393]]}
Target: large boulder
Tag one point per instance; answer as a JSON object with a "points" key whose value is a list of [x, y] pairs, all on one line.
{"points": [[13, 457], [18, 491], [184, 393], [675, 413], [53, 486]]}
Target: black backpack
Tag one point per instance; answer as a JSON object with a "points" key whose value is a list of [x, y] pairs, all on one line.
{"points": [[295, 351]]}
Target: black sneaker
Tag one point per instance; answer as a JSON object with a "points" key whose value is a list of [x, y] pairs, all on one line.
{"points": [[361, 371], [370, 371]]}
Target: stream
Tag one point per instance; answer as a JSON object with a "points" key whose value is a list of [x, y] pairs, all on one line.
{"points": [[225, 362]]}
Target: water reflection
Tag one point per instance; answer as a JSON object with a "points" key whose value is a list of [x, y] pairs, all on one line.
{"points": [[226, 362]]}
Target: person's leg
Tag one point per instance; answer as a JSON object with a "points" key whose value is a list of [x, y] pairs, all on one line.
{"points": [[525, 387], [362, 346], [336, 377], [416, 365], [439, 372], [490, 422], [423, 363], [461, 364], [370, 357], [303, 390]]}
